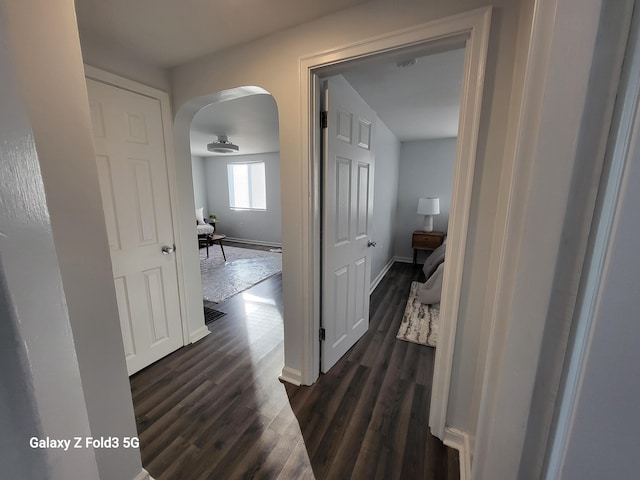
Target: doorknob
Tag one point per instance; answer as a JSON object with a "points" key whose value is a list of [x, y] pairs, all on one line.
{"points": [[371, 243], [168, 249]]}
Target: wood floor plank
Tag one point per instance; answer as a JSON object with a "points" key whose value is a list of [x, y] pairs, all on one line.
{"points": [[315, 415], [244, 447], [278, 457], [216, 410], [414, 457], [334, 436], [298, 466], [167, 464]]}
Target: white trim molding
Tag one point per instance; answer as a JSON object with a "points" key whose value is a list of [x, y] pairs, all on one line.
{"points": [[199, 334], [291, 376], [403, 259], [143, 475], [459, 440], [470, 110], [470, 28], [378, 279], [249, 241]]}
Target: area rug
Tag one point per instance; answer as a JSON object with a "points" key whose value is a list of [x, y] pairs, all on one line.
{"points": [[211, 315], [243, 269], [420, 322]]}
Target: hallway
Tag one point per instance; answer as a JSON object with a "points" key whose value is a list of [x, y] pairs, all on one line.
{"points": [[217, 410]]}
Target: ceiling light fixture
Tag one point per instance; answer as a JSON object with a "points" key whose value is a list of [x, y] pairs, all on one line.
{"points": [[223, 145]]}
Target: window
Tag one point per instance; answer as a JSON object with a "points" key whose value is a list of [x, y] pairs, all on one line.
{"points": [[247, 186]]}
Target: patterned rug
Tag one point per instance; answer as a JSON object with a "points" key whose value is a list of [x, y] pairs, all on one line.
{"points": [[420, 322], [242, 270]]}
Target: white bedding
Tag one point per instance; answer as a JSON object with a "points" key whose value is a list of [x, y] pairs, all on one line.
{"points": [[205, 229]]}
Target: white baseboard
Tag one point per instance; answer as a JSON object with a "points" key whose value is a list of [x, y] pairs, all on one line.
{"points": [[381, 275], [199, 334], [255, 242], [143, 475], [291, 375], [459, 440], [403, 259]]}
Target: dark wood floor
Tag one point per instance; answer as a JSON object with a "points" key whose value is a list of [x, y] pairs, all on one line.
{"points": [[216, 410]]}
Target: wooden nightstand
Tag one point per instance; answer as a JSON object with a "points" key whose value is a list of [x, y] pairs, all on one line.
{"points": [[425, 241]]}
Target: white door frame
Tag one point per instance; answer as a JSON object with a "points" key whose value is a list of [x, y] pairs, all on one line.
{"points": [[135, 87], [473, 26]]}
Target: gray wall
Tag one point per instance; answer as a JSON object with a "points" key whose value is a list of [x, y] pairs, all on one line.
{"points": [[385, 197], [603, 433], [255, 226], [61, 285], [22, 370], [18, 412], [603, 422], [199, 184], [426, 170]]}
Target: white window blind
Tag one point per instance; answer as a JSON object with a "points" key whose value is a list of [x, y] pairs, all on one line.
{"points": [[247, 186]]}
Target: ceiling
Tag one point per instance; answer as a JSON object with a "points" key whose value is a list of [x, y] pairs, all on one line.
{"points": [[417, 102], [169, 32], [250, 122]]}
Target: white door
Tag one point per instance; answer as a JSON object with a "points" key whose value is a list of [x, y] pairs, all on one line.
{"points": [[132, 169], [348, 159]]}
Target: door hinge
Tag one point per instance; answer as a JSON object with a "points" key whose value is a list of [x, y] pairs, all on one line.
{"points": [[324, 122], [323, 334]]}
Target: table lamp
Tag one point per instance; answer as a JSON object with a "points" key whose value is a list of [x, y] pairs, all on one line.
{"points": [[428, 207]]}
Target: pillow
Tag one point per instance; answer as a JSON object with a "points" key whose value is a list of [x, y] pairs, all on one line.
{"points": [[200, 215], [433, 260], [431, 291]]}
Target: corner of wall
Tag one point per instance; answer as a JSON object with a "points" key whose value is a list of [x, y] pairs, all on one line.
{"points": [[460, 440]]}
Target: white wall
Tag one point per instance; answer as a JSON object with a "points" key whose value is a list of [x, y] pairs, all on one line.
{"points": [[199, 184], [426, 170], [255, 226], [65, 298], [273, 64], [385, 197]]}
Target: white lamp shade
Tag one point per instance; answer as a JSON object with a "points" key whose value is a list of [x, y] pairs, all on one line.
{"points": [[429, 206]]}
